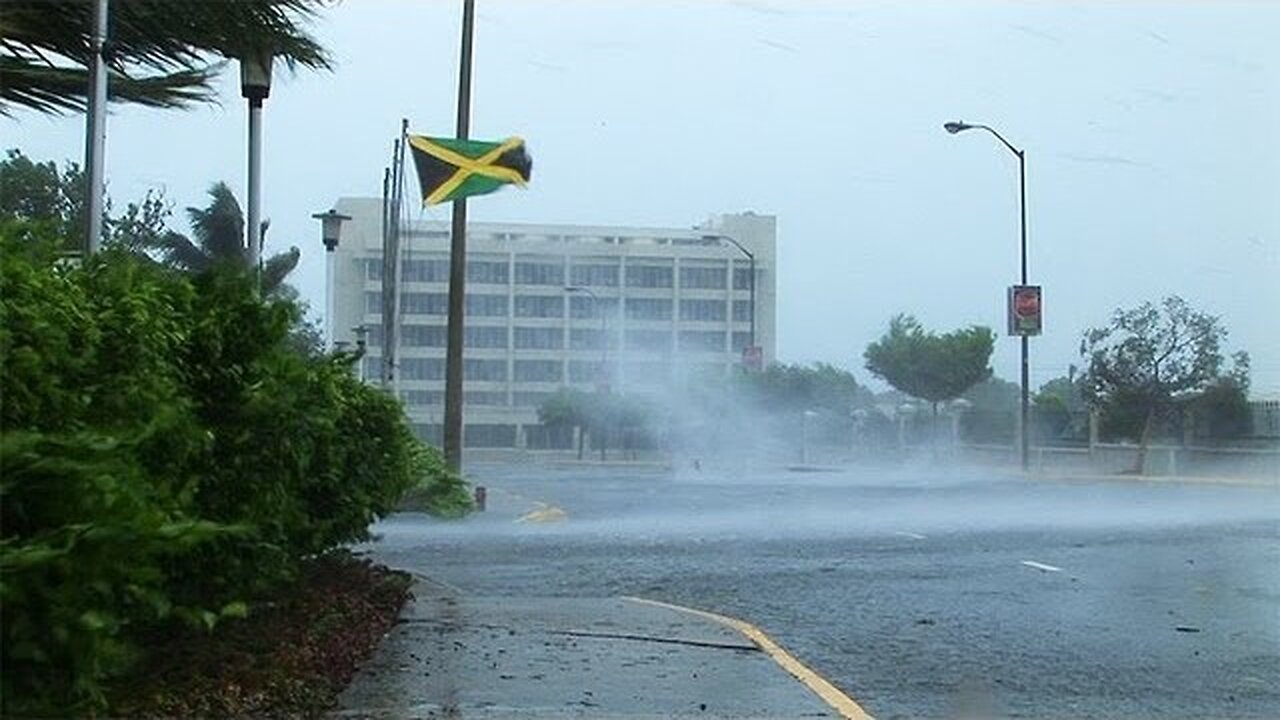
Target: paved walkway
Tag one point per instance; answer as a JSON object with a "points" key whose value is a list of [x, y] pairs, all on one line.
{"points": [[453, 656]]}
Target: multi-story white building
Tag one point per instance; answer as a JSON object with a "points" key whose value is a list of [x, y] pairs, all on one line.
{"points": [[541, 302]]}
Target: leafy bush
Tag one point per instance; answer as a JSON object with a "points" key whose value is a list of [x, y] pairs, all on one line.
{"points": [[168, 455]]}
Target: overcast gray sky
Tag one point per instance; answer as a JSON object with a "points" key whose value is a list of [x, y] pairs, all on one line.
{"points": [[1149, 127]]}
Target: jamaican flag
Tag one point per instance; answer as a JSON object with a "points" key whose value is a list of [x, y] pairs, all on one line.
{"points": [[449, 169]]}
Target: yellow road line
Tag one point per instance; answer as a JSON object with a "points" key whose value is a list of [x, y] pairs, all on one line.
{"points": [[829, 693], [543, 513]]}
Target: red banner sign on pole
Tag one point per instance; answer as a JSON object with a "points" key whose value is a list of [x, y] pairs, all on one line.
{"points": [[1026, 310]]}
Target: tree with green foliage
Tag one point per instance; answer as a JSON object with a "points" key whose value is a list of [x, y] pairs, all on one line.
{"points": [[820, 386], [567, 408], [160, 54], [1149, 362], [991, 413], [1221, 411], [1059, 410], [929, 366], [43, 196], [218, 229]]}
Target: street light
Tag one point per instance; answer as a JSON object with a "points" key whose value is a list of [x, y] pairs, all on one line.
{"points": [[956, 127], [330, 231], [751, 260], [604, 333], [602, 383], [255, 86]]}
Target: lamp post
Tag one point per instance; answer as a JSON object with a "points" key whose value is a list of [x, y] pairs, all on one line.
{"points": [[255, 86], [96, 129], [751, 260], [330, 231], [604, 333], [1023, 431], [602, 384]]}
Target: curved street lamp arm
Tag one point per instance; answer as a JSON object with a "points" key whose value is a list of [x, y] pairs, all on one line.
{"points": [[1000, 137]]}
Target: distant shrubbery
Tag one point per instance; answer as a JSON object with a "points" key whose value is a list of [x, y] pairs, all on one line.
{"points": [[166, 455]]}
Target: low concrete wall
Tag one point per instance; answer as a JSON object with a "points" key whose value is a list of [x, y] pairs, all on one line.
{"points": [[1162, 460]]}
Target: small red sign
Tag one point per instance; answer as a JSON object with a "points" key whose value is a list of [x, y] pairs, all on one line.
{"points": [[1025, 310]]}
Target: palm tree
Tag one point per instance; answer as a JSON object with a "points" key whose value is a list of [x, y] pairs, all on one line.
{"points": [[163, 53], [218, 229]]}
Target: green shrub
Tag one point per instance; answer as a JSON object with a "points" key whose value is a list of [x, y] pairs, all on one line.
{"points": [[168, 455]]}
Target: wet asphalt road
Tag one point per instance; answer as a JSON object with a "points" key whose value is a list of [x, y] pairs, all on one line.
{"points": [[921, 593]]}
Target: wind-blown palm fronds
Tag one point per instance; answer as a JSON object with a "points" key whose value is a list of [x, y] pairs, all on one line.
{"points": [[218, 232], [162, 53]]}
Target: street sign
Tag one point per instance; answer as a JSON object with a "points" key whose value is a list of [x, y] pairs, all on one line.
{"points": [[1025, 310], [752, 357]]}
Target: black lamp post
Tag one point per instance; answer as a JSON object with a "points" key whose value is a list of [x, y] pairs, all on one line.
{"points": [[956, 127], [604, 334], [751, 260]]}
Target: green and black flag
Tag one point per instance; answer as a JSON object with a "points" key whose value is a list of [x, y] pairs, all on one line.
{"points": [[449, 169]]}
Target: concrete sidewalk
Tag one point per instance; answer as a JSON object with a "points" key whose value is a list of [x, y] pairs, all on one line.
{"points": [[452, 656]]}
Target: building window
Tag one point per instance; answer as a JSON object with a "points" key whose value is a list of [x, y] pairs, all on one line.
{"points": [[420, 335], [540, 273], [540, 306], [651, 340], [422, 397], [484, 370], [487, 271], [539, 338], [422, 368], [584, 371], [701, 341], [484, 397], [425, 271], [742, 278], [488, 436], [481, 336], [529, 399], [374, 335], [648, 373], [594, 275], [648, 309], [702, 278], [587, 307], [373, 269], [538, 371], [372, 302], [650, 276], [486, 305], [702, 310], [742, 311], [740, 341], [424, 304], [584, 339]]}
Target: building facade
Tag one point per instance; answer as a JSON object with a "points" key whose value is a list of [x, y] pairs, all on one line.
{"points": [[623, 309]]}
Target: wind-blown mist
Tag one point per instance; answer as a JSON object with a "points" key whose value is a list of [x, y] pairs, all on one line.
{"points": [[901, 505]]}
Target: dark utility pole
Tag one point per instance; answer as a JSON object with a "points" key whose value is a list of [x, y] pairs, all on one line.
{"points": [[1026, 363], [751, 262], [458, 265], [1024, 440]]}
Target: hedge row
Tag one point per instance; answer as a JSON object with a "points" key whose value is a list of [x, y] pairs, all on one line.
{"points": [[167, 455]]}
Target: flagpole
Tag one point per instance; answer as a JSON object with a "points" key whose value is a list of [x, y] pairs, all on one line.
{"points": [[458, 264]]}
